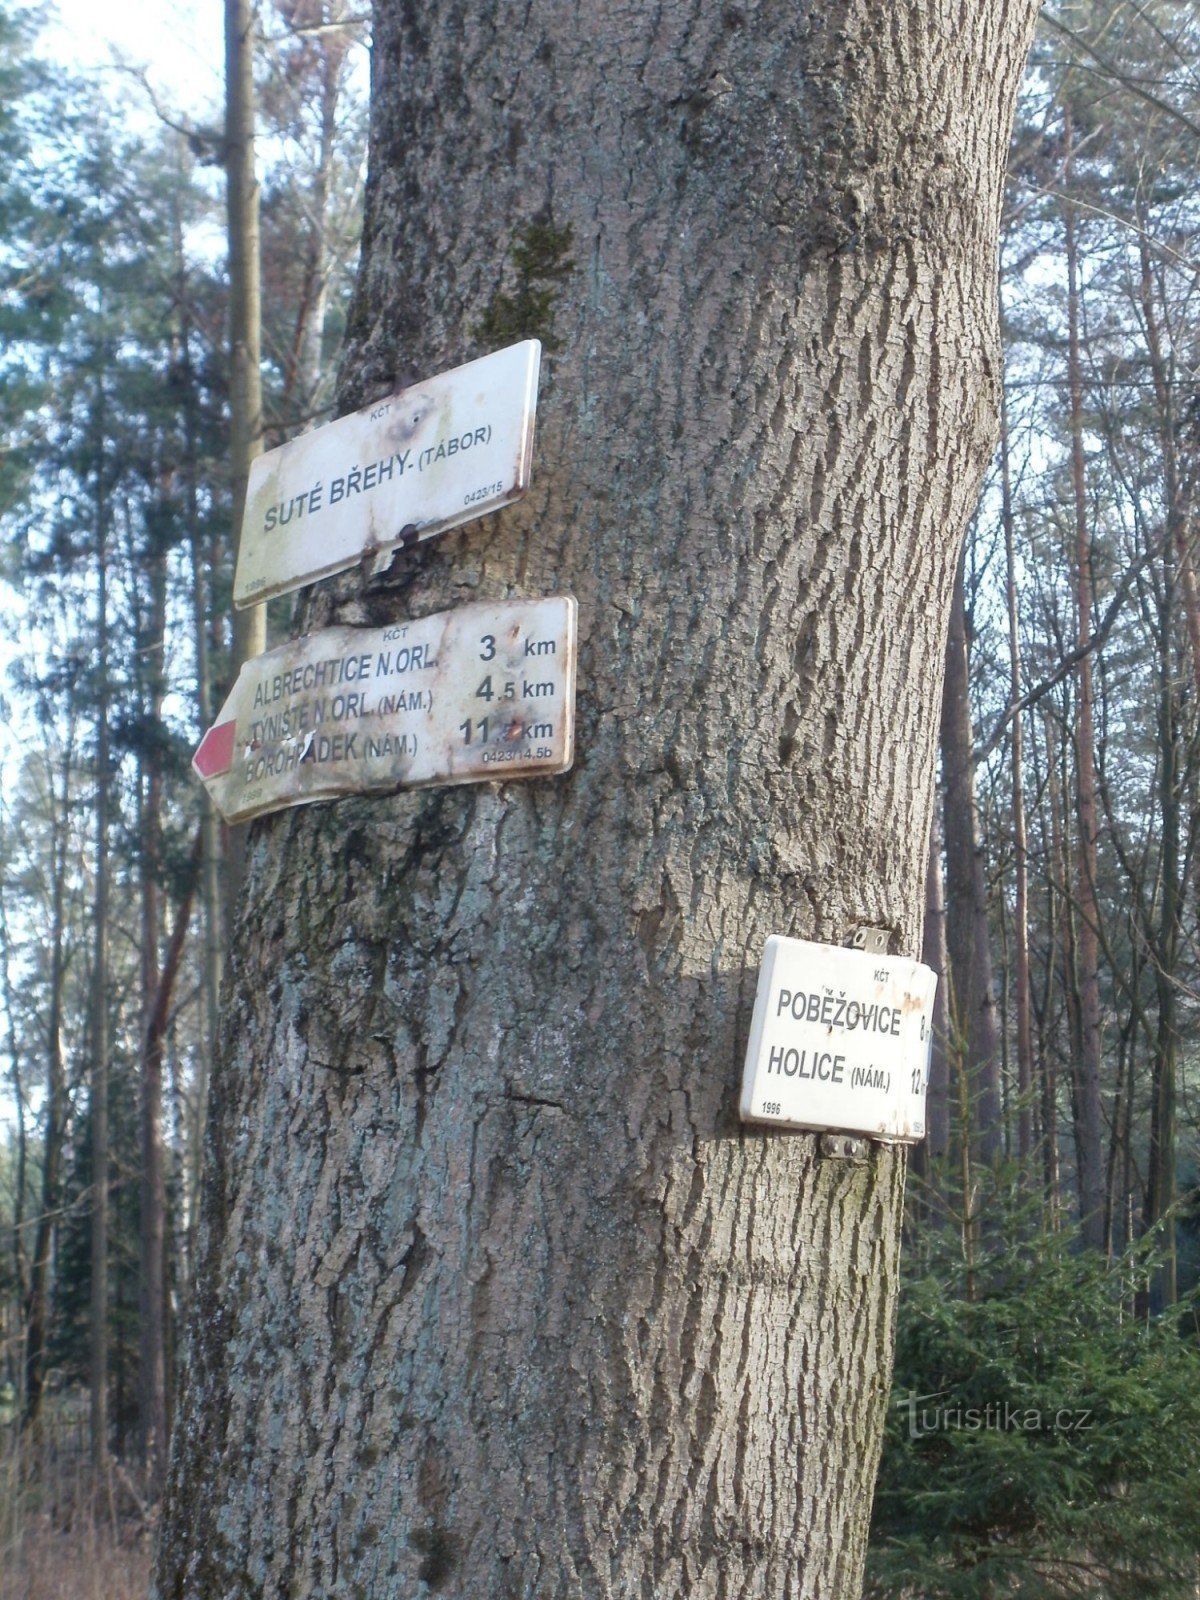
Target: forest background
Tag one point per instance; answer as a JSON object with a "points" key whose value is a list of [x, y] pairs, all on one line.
{"points": [[1045, 1433]]}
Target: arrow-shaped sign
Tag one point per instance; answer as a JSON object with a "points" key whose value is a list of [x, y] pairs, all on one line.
{"points": [[482, 692]]}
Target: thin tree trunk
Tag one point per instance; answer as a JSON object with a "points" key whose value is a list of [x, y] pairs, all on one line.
{"points": [[245, 328], [1058, 940], [976, 1019], [305, 365], [1166, 937], [933, 954], [152, 1391], [37, 1317], [1118, 1156], [98, 1320], [1128, 1175], [214, 954], [1021, 975], [20, 1266], [1186, 534], [1161, 1187], [1089, 1121]]}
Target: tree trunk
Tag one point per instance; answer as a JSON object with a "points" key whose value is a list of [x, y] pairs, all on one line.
{"points": [[245, 318], [934, 954], [1089, 1121], [497, 1295], [1167, 936], [305, 368], [1060, 946], [1021, 974], [214, 954], [17, 1286], [153, 1416], [975, 1017], [152, 1310], [99, 999], [55, 1109]]}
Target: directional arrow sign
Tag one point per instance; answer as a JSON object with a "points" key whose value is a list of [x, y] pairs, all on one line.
{"points": [[483, 692], [396, 472]]}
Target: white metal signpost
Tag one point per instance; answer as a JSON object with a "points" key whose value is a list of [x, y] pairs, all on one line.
{"points": [[401, 470], [486, 691], [839, 1040]]}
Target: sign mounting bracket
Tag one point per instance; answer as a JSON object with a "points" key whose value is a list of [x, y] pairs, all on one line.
{"points": [[874, 941], [845, 1147]]}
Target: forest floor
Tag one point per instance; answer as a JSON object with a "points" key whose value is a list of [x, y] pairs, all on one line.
{"points": [[82, 1563], [59, 1539]]}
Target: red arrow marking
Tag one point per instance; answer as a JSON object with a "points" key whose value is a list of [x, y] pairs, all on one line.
{"points": [[215, 754]]}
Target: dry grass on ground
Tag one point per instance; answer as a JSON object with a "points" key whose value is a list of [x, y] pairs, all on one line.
{"points": [[80, 1564], [58, 1540]]}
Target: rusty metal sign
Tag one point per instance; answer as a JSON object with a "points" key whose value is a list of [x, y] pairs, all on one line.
{"points": [[840, 1039], [396, 472], [484, 692]]}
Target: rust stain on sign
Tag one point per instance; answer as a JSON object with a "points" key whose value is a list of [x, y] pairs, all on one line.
{"points": [[484, 692], [402, 469]]}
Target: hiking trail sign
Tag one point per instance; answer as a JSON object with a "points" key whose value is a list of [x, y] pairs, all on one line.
{"points": [[840, 1039], [399, 471], [483, 692]]}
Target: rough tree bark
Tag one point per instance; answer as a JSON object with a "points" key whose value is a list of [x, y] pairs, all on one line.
{"points": [[497, 1296]]}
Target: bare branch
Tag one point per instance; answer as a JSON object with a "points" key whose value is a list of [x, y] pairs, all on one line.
{"points": [[1069, 661], [1114, 72], [197, 137]]}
